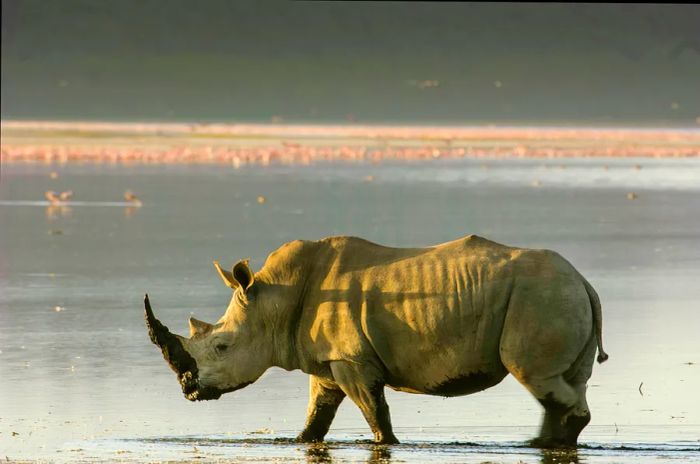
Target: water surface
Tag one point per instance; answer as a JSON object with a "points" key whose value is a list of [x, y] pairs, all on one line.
{"points": [[81, 380]]}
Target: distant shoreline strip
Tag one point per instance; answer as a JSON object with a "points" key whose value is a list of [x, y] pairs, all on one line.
{"points": [[237, 145], [352, 131]]}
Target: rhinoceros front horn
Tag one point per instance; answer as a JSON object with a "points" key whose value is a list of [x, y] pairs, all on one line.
{"points": [[174, 353]]}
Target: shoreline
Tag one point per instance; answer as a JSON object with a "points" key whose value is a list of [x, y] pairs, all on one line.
{"points": [[52, 142]]}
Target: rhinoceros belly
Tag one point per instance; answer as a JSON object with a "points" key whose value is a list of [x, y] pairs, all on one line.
{"points": [[444, 346], [462, 385]]}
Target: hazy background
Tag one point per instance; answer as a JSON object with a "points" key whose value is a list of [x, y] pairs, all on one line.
{"points": [[351, 61]]}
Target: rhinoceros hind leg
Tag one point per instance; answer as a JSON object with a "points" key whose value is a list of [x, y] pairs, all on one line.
{"points": [[364, 385], [565, 412], [324, 399]]}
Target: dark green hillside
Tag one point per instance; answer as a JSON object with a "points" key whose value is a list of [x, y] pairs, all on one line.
{"points": [[336, 61]]}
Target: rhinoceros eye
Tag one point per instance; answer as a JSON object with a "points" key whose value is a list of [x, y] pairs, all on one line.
{"points": [[221, 347]]}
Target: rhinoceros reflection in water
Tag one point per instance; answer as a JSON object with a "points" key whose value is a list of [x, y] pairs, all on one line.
{"points": [[447, 320]]}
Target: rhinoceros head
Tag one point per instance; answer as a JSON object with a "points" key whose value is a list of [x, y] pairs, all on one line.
{"points": [[216, 358]]}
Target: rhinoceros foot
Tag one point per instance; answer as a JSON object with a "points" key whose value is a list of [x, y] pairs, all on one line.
{"points": [[307, 437], [551, 443], [386, 440]]}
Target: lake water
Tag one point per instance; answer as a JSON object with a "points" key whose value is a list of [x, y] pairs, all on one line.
{"points": [[80, 380]]}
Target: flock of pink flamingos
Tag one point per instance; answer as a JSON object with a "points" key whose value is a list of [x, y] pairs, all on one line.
{"points": [[294, 153]]}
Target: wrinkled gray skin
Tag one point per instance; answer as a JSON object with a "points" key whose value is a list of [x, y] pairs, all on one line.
{"points": [[447, 320]]}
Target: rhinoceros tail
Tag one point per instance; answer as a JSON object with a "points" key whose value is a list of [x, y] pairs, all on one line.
{"points": [[597, 320]]}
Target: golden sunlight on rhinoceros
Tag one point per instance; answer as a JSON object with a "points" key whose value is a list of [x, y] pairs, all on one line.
{"points": [[447, 320]]}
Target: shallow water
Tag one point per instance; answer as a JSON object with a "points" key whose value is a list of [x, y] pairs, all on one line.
{"points": [[82, 382]]}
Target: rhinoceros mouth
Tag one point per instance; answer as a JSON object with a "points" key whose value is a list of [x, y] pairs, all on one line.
{"points": [[203, 393]]}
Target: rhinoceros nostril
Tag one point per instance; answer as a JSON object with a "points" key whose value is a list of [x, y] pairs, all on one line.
{"points": [[189, 383]]}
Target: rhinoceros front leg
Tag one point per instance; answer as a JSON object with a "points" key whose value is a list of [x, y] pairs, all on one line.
{"points": [[324, 399], [364, 385]]}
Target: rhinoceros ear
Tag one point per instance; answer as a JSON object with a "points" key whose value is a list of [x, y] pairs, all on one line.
{"points": [[243, 275], [226, 276], [199, 327]]}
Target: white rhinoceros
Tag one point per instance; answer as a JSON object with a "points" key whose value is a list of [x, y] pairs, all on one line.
{"points": [[447, 320]]}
